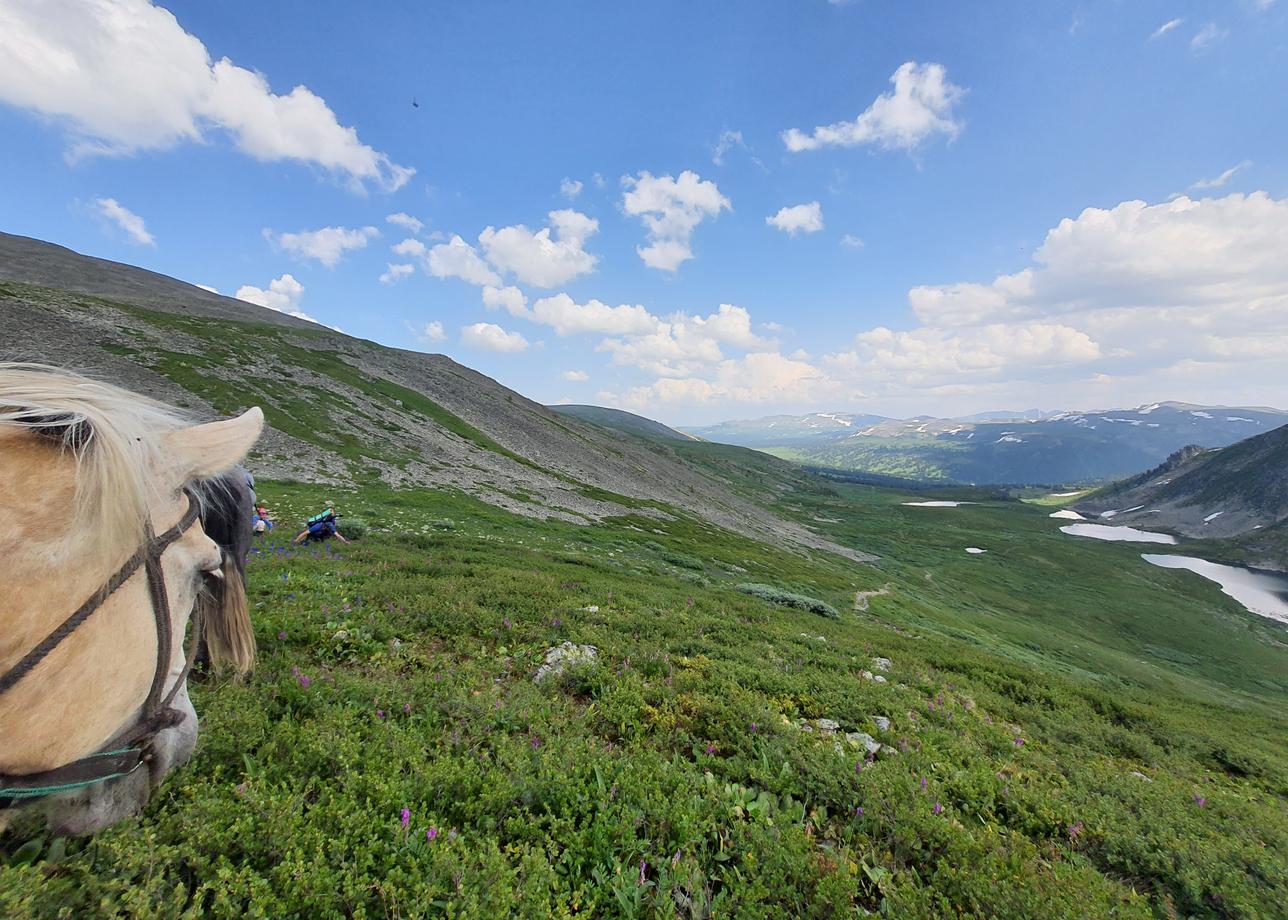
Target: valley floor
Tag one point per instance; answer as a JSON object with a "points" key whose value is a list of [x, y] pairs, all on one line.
{"points": [[1061, 729]]}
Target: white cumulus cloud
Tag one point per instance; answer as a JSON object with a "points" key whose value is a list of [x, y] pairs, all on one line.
{"points": [[458, 259], [548, 257], [920, 107], [1136, 291], [576, 376], [123, 76], [412, 248], [570, 188], [670, 209], [127, 220], [567, 317], [282, 294], [395, 272], [800, 218], [406, 221], [327, 245], [510, 299], [491, 337]]}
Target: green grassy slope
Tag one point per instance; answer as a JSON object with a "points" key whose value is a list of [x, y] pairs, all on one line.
{"points": [[1026, 689]]}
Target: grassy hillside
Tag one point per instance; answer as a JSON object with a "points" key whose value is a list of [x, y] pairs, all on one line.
{"points": [[622, 421], [1072, 733]]}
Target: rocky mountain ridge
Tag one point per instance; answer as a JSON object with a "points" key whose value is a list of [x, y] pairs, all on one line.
{"points": [[345, 411]]}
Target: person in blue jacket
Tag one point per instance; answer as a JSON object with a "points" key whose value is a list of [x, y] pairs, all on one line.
{"points": [[321, 526]]}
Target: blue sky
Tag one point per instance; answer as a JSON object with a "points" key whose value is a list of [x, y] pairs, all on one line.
{"points": [[909, 259]]}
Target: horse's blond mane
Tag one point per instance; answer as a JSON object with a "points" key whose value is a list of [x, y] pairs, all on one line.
{"points": [[114, 435]]}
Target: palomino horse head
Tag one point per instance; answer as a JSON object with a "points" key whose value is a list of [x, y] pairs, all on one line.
{"points": [[89, 473]]}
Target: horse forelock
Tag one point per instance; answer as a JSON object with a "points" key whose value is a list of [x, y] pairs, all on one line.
{"points": [[112, 439]]}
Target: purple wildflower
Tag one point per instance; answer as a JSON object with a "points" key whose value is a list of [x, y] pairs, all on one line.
{"points": [[754, 728], [295, 670], [938, 809], [507, 624], [281, 634], [643, 868], [535, 742], [407, 709], [304, 680], [923, 782], [1200, 801], [858, 811], [556, 622], [858, 766], [404, 817], [1074, 830], [1019, 742], [711, 748], [431, 834], [380, 713]]}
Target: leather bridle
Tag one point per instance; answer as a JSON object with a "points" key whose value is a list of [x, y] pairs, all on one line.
{"points": [[131, 748]]}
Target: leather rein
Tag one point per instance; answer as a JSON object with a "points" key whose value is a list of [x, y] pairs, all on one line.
{"points": [[131, 748]]}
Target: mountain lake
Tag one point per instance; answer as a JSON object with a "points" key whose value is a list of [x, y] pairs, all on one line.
{"points": [[1262, 592]]}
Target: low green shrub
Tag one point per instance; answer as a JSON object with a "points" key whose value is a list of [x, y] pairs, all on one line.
{"points": [[354, 528], [789, 599]]}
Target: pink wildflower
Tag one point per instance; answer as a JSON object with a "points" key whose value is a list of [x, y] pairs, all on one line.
{"points": [[407, 709], [1200, 801], [305, 680], [431, 834], [380, 713], [938, 809], [711, 748], [404, 817]]}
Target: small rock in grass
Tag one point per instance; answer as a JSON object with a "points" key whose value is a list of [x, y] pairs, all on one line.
{"points": [[870, 744], [1139, 775], [591, 609], [878, 679], [882, 664], [882, 723], [560, 658]]}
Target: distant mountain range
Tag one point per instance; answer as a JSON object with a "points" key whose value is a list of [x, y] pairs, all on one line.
{"points": [[1026, 447]]}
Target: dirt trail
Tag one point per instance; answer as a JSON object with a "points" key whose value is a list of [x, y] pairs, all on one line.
{"points": [[861, 597]]}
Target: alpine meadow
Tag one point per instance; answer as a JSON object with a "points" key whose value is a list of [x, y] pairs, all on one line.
{"points": [[596, 496]]}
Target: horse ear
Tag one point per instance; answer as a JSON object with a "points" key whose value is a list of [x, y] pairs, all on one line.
{"points": [[210, 449]]}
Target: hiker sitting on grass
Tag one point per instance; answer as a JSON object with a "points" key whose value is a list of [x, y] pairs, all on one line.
{"points": [[321, 526], [260, 520]]}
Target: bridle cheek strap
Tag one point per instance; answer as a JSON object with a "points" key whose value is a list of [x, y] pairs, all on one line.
{"points": [[130, 749]]}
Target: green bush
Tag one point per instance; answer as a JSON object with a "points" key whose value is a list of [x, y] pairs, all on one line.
{"points": [[353, 528], [789, 599]]}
